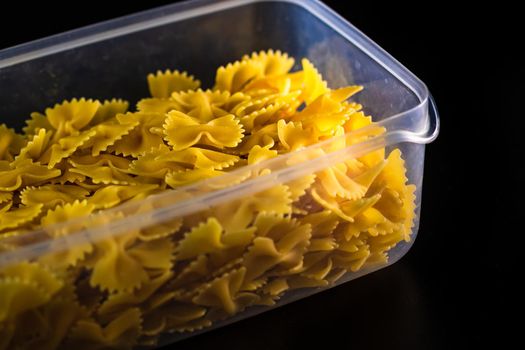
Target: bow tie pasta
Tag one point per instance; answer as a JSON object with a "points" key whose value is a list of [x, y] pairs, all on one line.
{"points": [[184, 273]]}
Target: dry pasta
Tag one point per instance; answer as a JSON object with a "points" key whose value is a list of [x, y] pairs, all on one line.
{"points": [[182, 275]]}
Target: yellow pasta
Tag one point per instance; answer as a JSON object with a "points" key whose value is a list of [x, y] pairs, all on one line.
{"points": [[184, 177], [108, 110], [36, 146], [65, 147], [274, 63], [24, 173], [10, 143], [107, 134], [183, 131], [163, 84], [206, 105], [112, 195], [120, 333], [313, 84], [69, 117], [52, 195], [35, 122], [142, 138], [106, 169], [14, 218], [125, 287], [233, 77]]}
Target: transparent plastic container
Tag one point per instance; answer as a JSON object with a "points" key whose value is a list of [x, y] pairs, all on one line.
{"points": [[112, 59]]}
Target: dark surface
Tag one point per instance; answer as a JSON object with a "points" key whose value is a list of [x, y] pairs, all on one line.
{"points": [[451, 289]]}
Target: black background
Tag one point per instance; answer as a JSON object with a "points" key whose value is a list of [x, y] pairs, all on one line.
{"points": [[457, 284]]}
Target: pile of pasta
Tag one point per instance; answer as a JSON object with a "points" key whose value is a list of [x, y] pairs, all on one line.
{"points": [[83, 156]]}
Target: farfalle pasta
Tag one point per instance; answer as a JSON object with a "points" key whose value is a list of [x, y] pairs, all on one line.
{"points": [[165, 272]]}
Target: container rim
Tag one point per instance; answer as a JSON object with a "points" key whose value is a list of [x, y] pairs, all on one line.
{"points": [[205, 193]]}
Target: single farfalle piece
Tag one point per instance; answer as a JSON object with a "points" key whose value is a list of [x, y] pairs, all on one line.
{"points": [[121, 333], [259, 112], [327, 112], [163, 84], [106, 169], [269, 85], [69, 177], [35, 122], [282, 249], [398, 200], [346, 209], [69, 117], [236, 215], [157, 105], [112, 195], [352, 254], [274, 62], [359, 128], [74, 251], [175, 317], [51, 196], [183, 131], [222, 292], [300, 185], [36, 146], [67, 212], [185, 177], [148, 164], [107, 134], [142, 138], [202, 239], [336, 181], [120, 302], [323, 223], [25, 286], [198, 158], [108, 110], [313, 84], [259, 154], [160, 161], [121, 263], [16, 217], [234, 76], [207, 105], [266, 136], [291, 238], [276, 65], [294, 136], [65, 147], [24, 173], [370, 221], [10, 143]]}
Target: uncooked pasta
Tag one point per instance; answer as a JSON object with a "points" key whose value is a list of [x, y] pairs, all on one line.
{"points": [[83, 156]]}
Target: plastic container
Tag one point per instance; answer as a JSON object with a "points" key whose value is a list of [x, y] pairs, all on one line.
{"points": [[111, 59]]}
